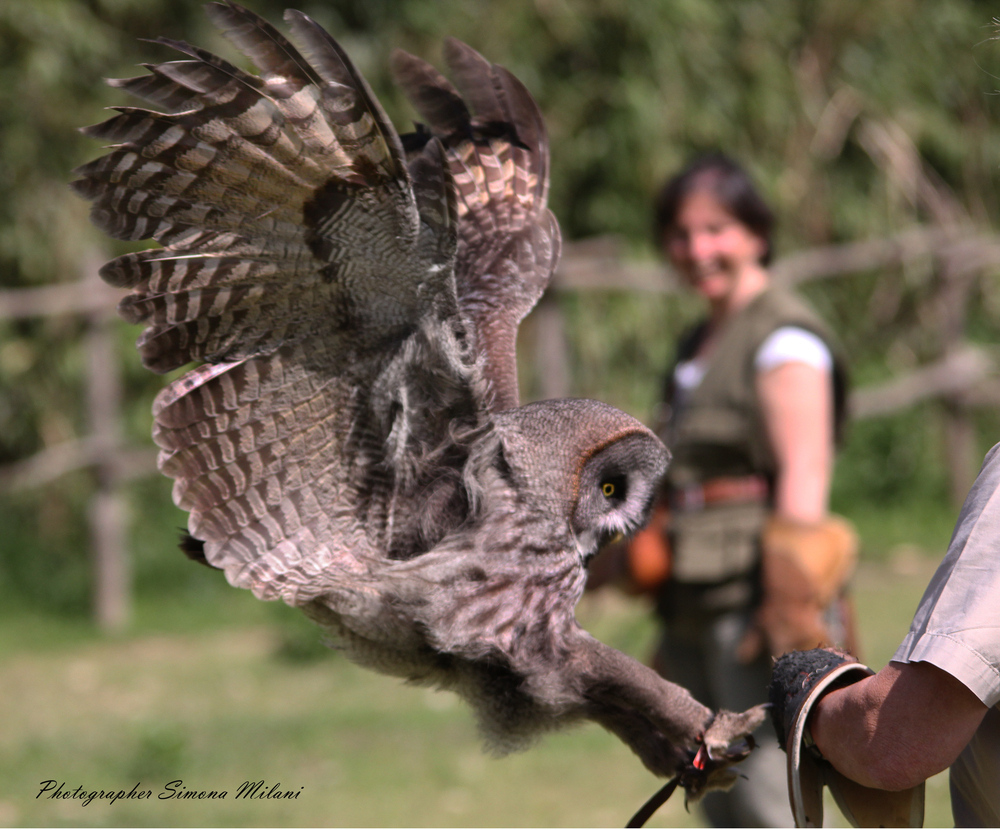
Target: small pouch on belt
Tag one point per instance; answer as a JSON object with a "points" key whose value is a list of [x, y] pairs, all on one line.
{"points": [[716, 528]]}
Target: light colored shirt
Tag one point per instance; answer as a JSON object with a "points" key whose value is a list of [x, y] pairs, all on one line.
{"points": [[789, 344], [957, 629]]}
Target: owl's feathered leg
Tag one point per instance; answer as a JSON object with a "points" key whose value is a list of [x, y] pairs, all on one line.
{"points": [[664, 725]]}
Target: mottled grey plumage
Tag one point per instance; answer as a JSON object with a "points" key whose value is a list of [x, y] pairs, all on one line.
{"points": [[352, 443]]}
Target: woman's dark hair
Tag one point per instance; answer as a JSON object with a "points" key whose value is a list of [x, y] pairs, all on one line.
{"points": [[729, 184]]}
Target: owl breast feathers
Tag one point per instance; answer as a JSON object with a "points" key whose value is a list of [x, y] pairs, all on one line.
{"points": [[351, 440]]}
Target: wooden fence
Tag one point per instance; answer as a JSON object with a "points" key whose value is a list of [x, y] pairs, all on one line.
{"points": [[964, 377]]}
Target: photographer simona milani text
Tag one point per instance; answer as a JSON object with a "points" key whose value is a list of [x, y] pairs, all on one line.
{"points": [[248, 790]]}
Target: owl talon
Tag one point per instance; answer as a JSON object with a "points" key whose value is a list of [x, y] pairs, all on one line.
{"points": [[726, 742]]}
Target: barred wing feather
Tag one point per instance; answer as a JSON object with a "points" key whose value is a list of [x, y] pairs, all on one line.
{"points": [[284, 202], [310, 261], [497, 148]]}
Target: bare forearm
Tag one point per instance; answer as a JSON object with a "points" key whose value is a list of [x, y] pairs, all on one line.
{"points": [[802, 485], [844, 726], [798, 411], [894, 730]]}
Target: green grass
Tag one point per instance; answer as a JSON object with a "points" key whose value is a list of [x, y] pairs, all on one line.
{"points": [[235, 690]]}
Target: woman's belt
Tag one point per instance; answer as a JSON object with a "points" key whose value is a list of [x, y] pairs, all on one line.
{"points": [[722, 490]]}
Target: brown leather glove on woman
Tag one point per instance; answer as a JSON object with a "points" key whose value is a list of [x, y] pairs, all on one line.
{"points": [[804, 568]]}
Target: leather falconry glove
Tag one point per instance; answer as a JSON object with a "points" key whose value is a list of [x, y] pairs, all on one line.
{"points": [[804, 567], [801, 678]]}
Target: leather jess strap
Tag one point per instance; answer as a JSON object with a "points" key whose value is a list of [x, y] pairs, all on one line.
{"points": [[723, 490]]}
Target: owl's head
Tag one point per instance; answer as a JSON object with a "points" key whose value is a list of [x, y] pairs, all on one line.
{"points": [[586, 463]]}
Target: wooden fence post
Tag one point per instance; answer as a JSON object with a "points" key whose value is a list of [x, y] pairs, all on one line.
{"points": [[951, 311], [551, 352], [107, 510]]}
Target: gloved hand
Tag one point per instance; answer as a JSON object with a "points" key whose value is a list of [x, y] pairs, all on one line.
{"points": [[799, 680], [803, 569]]}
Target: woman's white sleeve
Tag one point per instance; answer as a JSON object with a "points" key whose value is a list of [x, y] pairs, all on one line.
{"points": [[791, 344]]}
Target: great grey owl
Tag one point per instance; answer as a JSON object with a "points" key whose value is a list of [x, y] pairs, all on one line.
{"points": [[351, 442]]}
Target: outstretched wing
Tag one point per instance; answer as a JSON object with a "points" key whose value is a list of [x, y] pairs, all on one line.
{"points": [[284, 201], [498, 151], [310, 263]]}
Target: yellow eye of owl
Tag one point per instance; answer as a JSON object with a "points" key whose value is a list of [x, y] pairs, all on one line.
{"points": [[608, 489]]}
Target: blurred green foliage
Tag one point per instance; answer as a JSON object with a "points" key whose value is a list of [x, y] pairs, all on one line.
{"points": [[206, 693], [629, 91]]}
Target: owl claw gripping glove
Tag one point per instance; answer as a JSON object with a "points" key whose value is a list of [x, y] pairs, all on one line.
{"points": [[801, 678]]}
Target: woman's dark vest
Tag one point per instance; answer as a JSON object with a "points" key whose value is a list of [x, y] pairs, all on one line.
{"points": [[717, 432]]}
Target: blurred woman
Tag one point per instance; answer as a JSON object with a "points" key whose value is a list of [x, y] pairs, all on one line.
{"points": [[751, 413]]}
